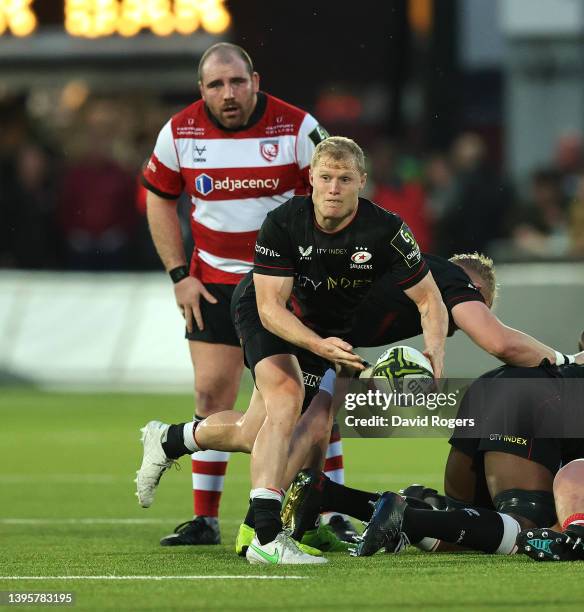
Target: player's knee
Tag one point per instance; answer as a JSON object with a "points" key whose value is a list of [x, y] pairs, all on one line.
{"points": [[214, 394], [569, 478], [536, 507], [284, 409]]}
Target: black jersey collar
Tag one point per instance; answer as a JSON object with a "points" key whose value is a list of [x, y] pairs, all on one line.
{"points": [[257, 114]]}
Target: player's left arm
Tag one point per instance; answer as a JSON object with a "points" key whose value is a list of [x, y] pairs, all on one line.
{"points": [[434, 319], [510, 345]]}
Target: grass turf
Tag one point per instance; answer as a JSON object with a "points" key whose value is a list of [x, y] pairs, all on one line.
{"points": [[68, 508]]}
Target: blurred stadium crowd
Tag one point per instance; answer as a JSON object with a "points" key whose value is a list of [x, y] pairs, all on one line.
{"points": [[71, 199]]}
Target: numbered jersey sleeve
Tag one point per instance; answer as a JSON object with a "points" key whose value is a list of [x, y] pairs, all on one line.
{"points": [[162, 174], [309, 135], [273, 255], [408, 267]]}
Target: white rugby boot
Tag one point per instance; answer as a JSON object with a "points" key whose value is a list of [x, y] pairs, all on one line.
{"points": [[281, 551], [154, 462]]}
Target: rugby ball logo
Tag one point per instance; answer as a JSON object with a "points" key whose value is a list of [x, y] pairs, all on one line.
{"points": [[361, 257]]}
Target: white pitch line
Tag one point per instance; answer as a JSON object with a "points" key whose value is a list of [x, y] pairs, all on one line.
{"points": [[226, 577], [108, 479], [98, 521]]}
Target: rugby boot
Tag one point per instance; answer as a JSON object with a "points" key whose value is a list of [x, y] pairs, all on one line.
{"points": [[384, 530], [544, 544]]}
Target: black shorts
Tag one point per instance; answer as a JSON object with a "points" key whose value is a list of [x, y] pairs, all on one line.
{"points": [[522, 412], [545, 451], [216, 317], [259, 343]]}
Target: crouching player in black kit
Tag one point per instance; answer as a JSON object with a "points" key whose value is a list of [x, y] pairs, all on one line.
{"points": [[566, 542], [499, 484], [319, 255]]}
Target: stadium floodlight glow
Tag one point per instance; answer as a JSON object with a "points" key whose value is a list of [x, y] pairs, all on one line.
{"points": [[93, 18], [17, 17]]}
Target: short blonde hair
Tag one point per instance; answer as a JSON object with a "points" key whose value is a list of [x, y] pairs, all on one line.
{"points": [[483, 266], [340, 149]]}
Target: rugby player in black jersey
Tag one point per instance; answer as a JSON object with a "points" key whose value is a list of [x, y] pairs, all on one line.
{"points": [[324, 253]]}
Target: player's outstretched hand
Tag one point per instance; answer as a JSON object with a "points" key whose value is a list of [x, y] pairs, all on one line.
{"points": [[188, 294], [339, 351], [436, 358], [579, 358]]}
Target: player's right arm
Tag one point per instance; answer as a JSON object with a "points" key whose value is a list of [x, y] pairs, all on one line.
{"points": [[163, 180], [166, 235], [272, 293], [507, 344]]}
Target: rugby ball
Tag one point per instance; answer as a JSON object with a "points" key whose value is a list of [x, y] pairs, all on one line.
{"points": [[405, 369]]}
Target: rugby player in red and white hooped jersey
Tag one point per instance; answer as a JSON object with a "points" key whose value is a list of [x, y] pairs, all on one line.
{"points": [[238, 153]]}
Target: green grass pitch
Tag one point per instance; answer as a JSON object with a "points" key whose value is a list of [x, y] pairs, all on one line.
{"points": [[67, 464]]}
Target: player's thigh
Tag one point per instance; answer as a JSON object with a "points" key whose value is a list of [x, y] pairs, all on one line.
{"points": [[505, 471], [217, 369], [460, 476]]}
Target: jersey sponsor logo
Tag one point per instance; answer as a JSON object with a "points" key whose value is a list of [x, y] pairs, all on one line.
{"points": [[198, 153], [331, 251], [262, 250], [347, 283], [318, 134], [282, 129], [304, 281], [183, 131], [151, 166], [305, 253], [269, 149], [311, 380], [405, 244], [205, 184]]}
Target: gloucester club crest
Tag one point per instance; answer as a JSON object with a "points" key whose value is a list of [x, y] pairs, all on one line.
{"points": [[269, 149]]}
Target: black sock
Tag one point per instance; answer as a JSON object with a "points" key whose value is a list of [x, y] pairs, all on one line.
{"points": [[174, 445], [355, 503], [473, 528], [249, 519], [268, 523]]}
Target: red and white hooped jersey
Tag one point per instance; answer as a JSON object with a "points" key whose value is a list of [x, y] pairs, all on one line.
{"points": [[233, 177]]}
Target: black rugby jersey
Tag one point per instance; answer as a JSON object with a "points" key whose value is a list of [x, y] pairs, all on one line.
{"points": [[333, 272], [388, 315]]}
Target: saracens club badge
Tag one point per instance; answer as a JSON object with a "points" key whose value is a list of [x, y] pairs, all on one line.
{"points": [[269, 149]]}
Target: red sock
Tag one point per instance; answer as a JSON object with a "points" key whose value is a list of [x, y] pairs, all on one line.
{"points": [[333, 466]]}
